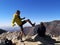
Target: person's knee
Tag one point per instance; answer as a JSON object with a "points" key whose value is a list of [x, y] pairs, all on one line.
{"points": [[27, 20]]}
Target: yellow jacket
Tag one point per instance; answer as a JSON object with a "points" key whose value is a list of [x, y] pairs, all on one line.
{"points": [[17, 20]]}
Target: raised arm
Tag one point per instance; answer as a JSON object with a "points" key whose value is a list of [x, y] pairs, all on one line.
{"points": [[22, 18]]}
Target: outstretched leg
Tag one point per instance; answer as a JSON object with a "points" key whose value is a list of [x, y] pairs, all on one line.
{"points": [[30, 22]]}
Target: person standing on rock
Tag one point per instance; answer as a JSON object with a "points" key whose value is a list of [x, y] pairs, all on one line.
{"points": [[19, 22]]}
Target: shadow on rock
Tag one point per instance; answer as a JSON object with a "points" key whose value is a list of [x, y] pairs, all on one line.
{"points": [[46, 40]]}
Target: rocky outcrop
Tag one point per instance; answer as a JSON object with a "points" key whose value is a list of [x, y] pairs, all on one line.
{"points": [[10, 36], [13, 36], [52, 28]]}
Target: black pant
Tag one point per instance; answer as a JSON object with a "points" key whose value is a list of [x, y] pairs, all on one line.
{"points": [[21, 26]]}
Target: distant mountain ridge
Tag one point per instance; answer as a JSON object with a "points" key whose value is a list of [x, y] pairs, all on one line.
{"points": [[52, 27], [2, 31]]}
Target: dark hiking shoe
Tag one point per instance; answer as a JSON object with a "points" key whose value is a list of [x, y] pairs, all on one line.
{"points": [[22, 41], [33, 24]]}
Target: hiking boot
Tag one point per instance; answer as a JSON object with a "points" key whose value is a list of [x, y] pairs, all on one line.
{"points": [[22, 41], [33, 24]]}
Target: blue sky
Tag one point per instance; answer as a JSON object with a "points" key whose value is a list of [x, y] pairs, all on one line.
{"points": [[35, 10]]}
